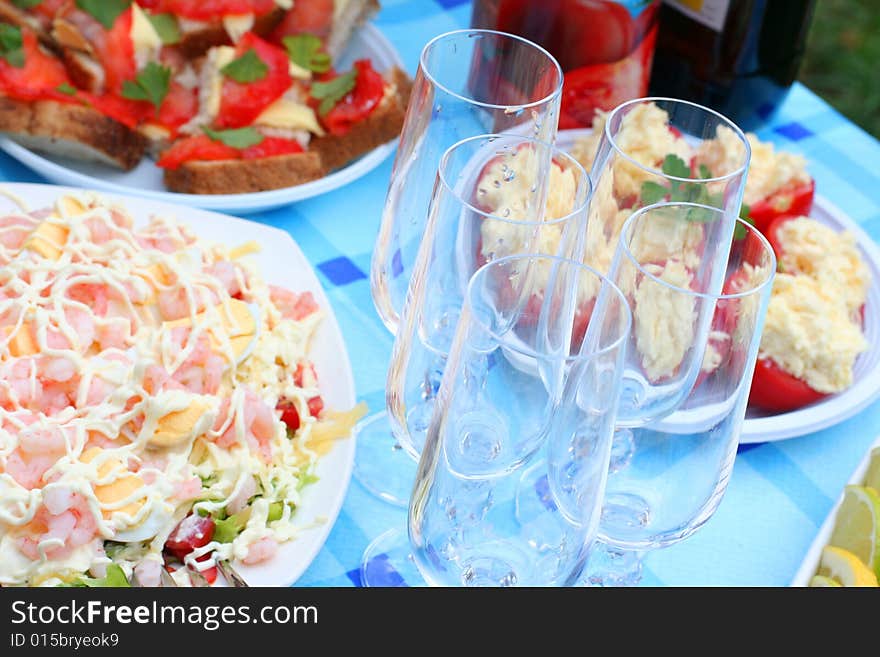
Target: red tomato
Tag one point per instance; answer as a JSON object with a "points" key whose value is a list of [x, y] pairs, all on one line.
{"points": [[793, 200], [289, 415], [192, 532], [116, 53], [179, 106], [271, 146], [306, 16], [369, 88], [205, 10], [774, 389], [126, 111], [38, 78], [199, 147], [242, 103], [210, 574], [604, 86]]}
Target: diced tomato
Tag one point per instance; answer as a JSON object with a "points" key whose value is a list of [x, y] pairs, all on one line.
{"points": [[796, 200], [194, 531], [39, 77], [289, 415], [126, 111], [316, 405], [271, 146], [179, 106], [604, 86], [199, 147], [116, 53], [205, 10], [306, 16], [774, 389], [242, 103], [369, 88], [210, 574]]}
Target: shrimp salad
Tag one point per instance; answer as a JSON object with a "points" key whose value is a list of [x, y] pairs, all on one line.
{"points": [[158, 410]]}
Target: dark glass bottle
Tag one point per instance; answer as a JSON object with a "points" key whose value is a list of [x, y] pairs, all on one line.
{"points": [[739, 57]]}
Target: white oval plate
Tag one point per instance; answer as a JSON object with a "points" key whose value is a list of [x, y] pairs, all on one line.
{"points": [[280, 262], [760, 427], [810, 564], [146, 179]]}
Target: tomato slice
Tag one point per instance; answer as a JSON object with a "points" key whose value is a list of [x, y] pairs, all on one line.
{"points": [[206, 10], [126, 111], [199, 147], [38, 78], [242, 103], [306, 16], [115, 52], [359, 103], [795, 200], [271, 146], [179, 106], [194, 531], [774, 389]]}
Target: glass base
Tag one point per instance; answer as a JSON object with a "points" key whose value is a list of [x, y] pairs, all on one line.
{"points": [[612, 566], [381, 465], [388, 562]]}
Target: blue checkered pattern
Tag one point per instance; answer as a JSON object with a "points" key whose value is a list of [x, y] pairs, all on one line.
{"points": [[779, 493]]}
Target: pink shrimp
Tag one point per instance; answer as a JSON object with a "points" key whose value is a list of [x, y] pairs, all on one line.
{"points": [[202, 371], [227, 273], [64, 516], [174, 304], [38, 450], [292, 305], [19, 385], [259, 427], [188, 489], [261, 550], [82, 325], [113, 334], [93, 295], [14, 230]]}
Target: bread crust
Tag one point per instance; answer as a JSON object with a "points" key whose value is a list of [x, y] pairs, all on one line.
{"points": [[245, 176], [66, 128], [195, 43], [383, 125]]}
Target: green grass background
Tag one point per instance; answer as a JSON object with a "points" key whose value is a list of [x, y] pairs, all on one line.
{"points": [[842, 62]]}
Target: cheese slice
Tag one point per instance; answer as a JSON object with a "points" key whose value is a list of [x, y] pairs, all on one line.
{"points": [[237, 26], [217, 59], [285, 113], [144, 37], [119, 489]]}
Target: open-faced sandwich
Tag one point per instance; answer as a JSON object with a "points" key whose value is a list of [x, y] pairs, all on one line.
{"points": [[229, 96]]}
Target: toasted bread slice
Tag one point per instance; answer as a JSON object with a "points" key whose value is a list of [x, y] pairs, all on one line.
{"points": [[352, 16], [197, 37], [72, 131], [244, 176], [381, 126]]}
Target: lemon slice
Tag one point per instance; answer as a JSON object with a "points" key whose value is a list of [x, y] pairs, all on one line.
{"points": [[872, 479], [857, 525], [821, 580], [845, 567]]}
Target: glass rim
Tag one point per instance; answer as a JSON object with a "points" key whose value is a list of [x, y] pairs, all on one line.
{"points": [[618, 342], [765, 243], [580, 208], [742, 169], [557, 91]]}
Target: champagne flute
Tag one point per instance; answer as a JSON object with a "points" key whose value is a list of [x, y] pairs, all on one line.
{"points": [[706, 344], [518, 390], [485, 206], [469, 82]]}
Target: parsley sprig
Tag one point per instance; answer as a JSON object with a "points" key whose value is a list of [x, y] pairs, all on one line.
{"points": [[151, 84], [166, 27], [237, 137], [247, 68], [11, 45], [688, 191], [332, 91], [104, 11], [305, 50]]}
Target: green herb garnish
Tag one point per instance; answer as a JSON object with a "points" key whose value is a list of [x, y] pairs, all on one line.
{"points": [[115, 577], [67, 89], [247, 68], [26, 4], [104, 11], [331, 92], [11, 45], [236, 138], [305, 50], [151, 84], [166, 27]]}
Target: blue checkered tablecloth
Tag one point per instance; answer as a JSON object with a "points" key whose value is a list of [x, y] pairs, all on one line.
{"points": [[780, 492]]}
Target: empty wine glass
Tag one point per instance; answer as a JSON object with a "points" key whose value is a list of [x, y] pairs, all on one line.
{"points": [[705, 345], [485, 206], [654, 150], [469, 82], [522, 385]]}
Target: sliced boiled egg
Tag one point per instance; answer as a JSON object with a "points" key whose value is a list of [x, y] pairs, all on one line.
{"points": [[239, 324]]}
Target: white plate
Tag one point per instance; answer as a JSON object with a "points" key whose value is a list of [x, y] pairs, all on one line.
{"points": [[810, 564], [146, 179], [762, 427], [280, 262]]}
